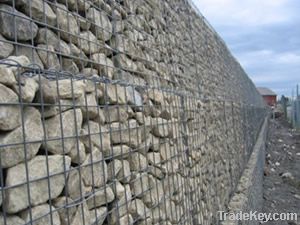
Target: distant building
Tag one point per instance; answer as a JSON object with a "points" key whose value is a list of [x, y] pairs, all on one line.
{"points": [[268, 95]]}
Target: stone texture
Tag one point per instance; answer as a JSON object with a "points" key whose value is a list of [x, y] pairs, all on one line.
{"points": [[138, 161], [77, 153], [76, 5], [39, 10], [100, 197], [7, 76], [88, 42], [98, 215], [101, 25], [31, 54], [66, 22], [10, 116], [76, 188], [25, 30], [6, 48], [66, 214], [69, 129], [47, 37], [48, 57], [82, 215], [104, 65], [115, 114], [27, 90], [13, 154], [94, 171], [11, 220], [16, 198], [40, 215]]}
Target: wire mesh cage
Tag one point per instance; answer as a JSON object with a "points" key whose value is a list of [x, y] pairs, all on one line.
{"points": [[119, 112]]}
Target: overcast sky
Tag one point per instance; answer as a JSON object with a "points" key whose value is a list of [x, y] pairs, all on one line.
{"points": [[264, 35]]}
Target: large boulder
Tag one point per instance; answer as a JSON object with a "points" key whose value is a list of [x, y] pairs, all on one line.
{"points": [[15, 150], [16, 27], [42, 171]]}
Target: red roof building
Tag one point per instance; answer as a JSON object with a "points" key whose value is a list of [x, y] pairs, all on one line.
{"points": [[268, 95]]}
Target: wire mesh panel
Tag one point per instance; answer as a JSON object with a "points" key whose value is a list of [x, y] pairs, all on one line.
{"points": [[119, 112]]}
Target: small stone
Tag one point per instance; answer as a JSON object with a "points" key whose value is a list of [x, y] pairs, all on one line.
{"points": [[89, 71], [6, 48], [7, 76], [113, 94], [94, 170], [93, 134], [104, 65], [65, 210], [38, 10], [115, 114], [113, 168], [133, 97], [82, 215], [78, 56], [67, 23], [117, 151], [88, 42], [48, 37], [48, 57], [98, 215], [101, 25], [126, 220], [16, 198], [161, 128], [77, 154], [154, 158], [75, 185], [10, 115], [156, 96], [138, 162], [65, 89], [28, 89], [69, 128], [76, 5], [138, 210], [100, 197], [14, 154], [11, 220], [31, 54], [14, 25], [124, 175], [69, 65], [118, 189], [123, 62], [89, 106], [41, 215], [139, 184]]}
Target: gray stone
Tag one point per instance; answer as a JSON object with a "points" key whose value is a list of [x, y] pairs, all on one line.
{"points": [[89, 71], [16, 198], [88, 42], [67, 23], [115, 114], [48, 37], [138, 162], [78, 56], [113, 94], [76, 189], [133, 97], [28, 89], [41, 215], [98, 215], [100, 197], [118, 189], [10, 115], [94, 170], [66, 214], [64, 141], [101, 25], [138, 210], [139, 184], [11, 220], [7, 76], [82, 215], [154, 158], [77, 153], [156, 96], [93, 134], [104, 65], [21, 24], [124, 175], [126, 220], [161, 128], [64, 89], [31, 54], [15, 152], [69, 65], [38, 10], [118, 152], [6, 48], [76, 5], [89, 106], [123, 62], [113, 168], [48, 57]]}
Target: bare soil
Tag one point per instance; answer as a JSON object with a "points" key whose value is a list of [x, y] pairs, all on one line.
{"points": [[282, 171]]}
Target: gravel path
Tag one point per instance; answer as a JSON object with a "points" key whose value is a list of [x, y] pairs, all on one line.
{"points": [[282, 171]]}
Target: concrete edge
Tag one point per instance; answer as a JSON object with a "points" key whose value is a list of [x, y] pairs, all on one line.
{"points": [[249, 193]]}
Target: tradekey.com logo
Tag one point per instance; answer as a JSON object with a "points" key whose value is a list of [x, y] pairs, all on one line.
{"points": [[256, 216]]}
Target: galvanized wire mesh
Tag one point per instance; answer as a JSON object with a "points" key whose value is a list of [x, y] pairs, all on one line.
{"points": [[119, 112]]}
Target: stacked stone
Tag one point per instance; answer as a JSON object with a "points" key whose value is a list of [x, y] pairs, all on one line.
{"points": [[166, 145]]}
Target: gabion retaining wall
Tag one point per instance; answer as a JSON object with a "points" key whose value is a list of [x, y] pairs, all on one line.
{"points": [[119, 112]]}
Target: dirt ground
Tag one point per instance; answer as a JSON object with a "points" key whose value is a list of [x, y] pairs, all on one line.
{"points": [[282, 171]]}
